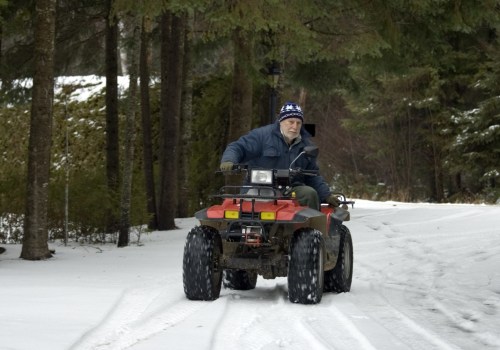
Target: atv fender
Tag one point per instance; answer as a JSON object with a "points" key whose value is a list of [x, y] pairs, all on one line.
{"points": [[341, 214], [314, 219]]}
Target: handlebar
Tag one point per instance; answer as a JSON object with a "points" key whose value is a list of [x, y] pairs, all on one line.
{"points": [[304, 172], [348, 202], [238, 168], [343, 199]]}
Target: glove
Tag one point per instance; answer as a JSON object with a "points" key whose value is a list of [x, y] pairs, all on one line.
{"points": [[333, 200], [226, 166]]}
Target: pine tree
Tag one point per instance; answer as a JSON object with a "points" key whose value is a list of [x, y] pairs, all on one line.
{"points": [[35, 245]]}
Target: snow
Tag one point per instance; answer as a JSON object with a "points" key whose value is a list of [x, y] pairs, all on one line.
{"points": [[426, 276], [86, 86], [82, 88]]}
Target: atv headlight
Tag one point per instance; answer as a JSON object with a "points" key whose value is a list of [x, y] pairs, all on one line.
{"points": [[262, 177]]}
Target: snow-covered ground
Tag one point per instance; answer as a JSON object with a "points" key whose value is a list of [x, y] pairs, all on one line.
{"points": [[425, 277]]}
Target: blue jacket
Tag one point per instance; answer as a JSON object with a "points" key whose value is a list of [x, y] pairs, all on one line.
{"points": [[265, 147]]}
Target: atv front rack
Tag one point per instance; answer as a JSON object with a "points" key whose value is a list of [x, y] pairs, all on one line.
{"points": [[260, 192]]}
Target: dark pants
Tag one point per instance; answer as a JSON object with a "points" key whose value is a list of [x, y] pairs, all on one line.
{"points": [[308, 196]]}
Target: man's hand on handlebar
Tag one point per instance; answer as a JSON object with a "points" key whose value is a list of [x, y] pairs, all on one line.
{"points": [[333, 200], [226, 166]]}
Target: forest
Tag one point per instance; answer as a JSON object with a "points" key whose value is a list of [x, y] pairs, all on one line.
{"points": [[403, 98]]}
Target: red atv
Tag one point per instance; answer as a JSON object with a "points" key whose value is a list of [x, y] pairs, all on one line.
{"points": [[263, 230]]}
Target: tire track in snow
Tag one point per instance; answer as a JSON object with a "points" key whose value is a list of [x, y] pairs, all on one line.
{"points": [[277, 323], [271, 322], [247, 325], [338, 333], [427, 265], [138, 314], [195, 332], [351, 321], [385, 325]]}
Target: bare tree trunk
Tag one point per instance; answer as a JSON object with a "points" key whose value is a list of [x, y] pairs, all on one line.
{"points": [[409, 156], [437, 167], [128, 168], [303, 98], [240, 115], [1, 50], [164, 154], [35, 246], [147, 135], [186, 121], [241, 101], [171, 92], [112, 140]]}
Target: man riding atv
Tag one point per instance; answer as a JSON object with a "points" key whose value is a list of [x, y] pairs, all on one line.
{"points": [[275, 146], [274, 225]]}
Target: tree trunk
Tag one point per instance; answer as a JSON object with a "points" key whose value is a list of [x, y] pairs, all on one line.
{"points": [[408, 158], [1, 50], [128, 168], [147, 135], [438, 174], [241, 101], [112, 140], [240, 115], [437, 166], [186, 121], [171, 88], [35, 246]]}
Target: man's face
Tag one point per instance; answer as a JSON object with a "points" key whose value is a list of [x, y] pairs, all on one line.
{"points": [[291, 127]]}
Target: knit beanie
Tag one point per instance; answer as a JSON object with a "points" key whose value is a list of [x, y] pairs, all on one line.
{"points": [[291, 110]]}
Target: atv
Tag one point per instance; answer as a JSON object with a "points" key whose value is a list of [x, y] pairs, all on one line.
{"points": [[263, 230]]}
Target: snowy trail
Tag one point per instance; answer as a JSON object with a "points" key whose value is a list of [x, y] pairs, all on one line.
{"points": [[139, 313], [393, 309], [437, 271], [425, 277], [410, 268]]}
